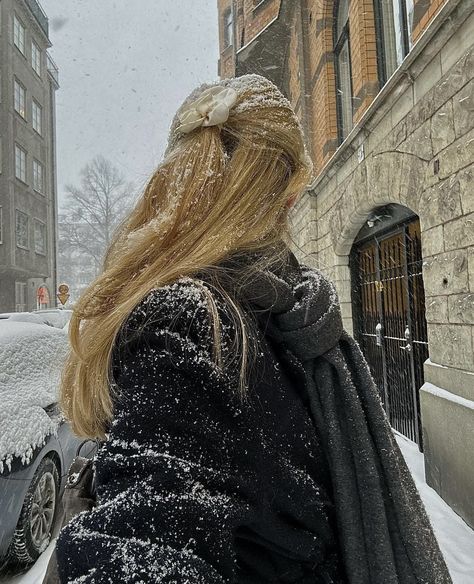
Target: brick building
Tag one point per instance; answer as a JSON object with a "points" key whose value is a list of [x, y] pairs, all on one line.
{"points": [[28, 202], [385, 91]]}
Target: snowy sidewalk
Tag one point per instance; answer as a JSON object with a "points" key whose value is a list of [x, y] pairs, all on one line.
{"points": [[455, 537]]}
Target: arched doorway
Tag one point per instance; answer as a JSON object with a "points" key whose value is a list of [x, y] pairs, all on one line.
{"points": [[389, 311]]}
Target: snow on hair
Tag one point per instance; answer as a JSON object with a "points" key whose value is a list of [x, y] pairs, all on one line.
{"points": [[219, 190]]}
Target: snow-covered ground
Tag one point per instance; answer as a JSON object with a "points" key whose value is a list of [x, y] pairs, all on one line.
{"points": [[455, 537]]}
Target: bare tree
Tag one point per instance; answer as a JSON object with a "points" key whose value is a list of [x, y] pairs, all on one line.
{"points": [[88, 218]]}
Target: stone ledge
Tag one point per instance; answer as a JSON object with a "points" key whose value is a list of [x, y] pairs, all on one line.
{"points": [[448, 438], [456, 381]]}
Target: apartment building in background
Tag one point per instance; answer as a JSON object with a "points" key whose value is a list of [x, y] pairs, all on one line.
{"points": [[385, 93], [28, 201]]}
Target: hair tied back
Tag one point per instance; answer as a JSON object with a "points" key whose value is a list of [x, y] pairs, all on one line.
{"points": [[211, 108]]}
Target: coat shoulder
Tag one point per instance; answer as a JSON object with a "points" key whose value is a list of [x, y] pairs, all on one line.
{"points": [[179, 316]]}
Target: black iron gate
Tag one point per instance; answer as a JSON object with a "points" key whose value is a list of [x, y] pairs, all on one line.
{"points": [[389, 310]]}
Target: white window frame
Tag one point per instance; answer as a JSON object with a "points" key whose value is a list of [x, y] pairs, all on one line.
{"points": [[19, 213], [36, 56], [19, 31], [20, 295], [228, 24], [37, 116], [38, 176], [19, 98], [20, 163], [37, 223]]}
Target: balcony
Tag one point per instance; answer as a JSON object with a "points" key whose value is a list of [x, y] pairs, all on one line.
{"points": [[52, 68], [39, 14]]}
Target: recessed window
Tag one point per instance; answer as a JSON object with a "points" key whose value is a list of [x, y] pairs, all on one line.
{"points": [[394, 20], [20, 296], [19, 98], [36, 58], [228, 28], [21, 229], [20, 163], [37, 117], [38, 176], [342, 57], [40, 236], [18, 34]]}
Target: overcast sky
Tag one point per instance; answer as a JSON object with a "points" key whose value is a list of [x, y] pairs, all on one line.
{"points": [[124, 68]]}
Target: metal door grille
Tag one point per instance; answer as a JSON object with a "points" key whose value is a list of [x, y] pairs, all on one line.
{"points": [[391, 324]]}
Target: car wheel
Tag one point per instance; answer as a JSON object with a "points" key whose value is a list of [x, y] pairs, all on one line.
{"points": [[34, 528]]}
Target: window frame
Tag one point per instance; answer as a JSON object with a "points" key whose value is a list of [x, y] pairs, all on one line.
{"points": [[19, 212], [19, 22], [381, 41], [20, 306], [36, 222], [338, 45], [1, 224], [34, 61], [18, 83], [36, 106], [25, 152], [38, 165], [228, 28]]}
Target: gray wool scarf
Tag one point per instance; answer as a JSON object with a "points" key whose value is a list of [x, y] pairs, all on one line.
{"points": [[384, 531]]}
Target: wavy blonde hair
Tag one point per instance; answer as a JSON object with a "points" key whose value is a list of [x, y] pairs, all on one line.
{"points": [[218, 191]]}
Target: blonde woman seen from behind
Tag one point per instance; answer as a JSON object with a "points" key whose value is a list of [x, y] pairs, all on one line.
{"points": [[243, 437]]}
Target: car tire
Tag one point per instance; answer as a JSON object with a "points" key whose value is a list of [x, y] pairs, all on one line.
{"points": [[36, 522]]}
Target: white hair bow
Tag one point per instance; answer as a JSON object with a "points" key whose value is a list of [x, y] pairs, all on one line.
{"points": [[211, 108]]}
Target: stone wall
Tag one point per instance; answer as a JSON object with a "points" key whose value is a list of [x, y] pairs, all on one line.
{"points": [[415, 147]]}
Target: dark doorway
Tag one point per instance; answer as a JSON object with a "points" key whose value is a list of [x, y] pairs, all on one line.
{"points": [[389, 311]]}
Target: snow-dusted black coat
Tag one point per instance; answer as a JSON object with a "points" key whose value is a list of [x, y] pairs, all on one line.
{"points": [[303, 482], [193, 485]]}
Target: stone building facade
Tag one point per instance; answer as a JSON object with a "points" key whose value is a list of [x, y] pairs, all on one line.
{"points": [[387, 105], [28, 202]]}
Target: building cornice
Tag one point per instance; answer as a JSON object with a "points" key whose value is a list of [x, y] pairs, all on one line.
{"points": [[38, 18]]}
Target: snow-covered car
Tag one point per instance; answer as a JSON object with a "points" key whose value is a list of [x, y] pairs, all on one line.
{"points": [[57, 317], [37, 445]]}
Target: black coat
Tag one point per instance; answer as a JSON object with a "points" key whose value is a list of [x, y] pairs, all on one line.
{"points": [[193, 485], [301, 482]]}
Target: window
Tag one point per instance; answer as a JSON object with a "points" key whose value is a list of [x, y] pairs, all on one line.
{"points": [[228, 29], [20, 296], [40, 236], [20, 163], [18, 34], [36, 58], [37, 116], [19, 98], [394, 23], [38, 176], [343, 69], [21, 229], [1, 224]]}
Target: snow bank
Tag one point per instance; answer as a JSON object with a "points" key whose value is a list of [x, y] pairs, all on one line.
{"points": [[455, 537], [31, 358]]}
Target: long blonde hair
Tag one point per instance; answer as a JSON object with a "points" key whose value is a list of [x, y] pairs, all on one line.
{"points": [[219, 190]]}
